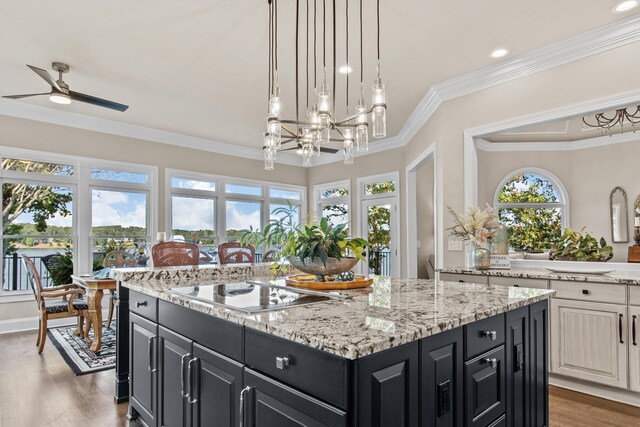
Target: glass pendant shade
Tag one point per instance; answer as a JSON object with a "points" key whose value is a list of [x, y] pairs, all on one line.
{"points": [[307, 153], [378, 95], [268, 164], [348, 151], [324, 100], [379, 122], [275, 131], [325, 127], [362, 138], [268, 141], [274, 104]]}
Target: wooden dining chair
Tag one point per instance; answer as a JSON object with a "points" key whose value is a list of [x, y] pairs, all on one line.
{"points": [[172, 254], [117, 259], [55, 302], [236, 253], [269, 256]]}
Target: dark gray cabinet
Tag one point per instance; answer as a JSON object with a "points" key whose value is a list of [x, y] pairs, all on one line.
{"points": [[485, 383], [539, 364], [216, 382], [388, 387], [269, 403], [174, 354], [143, 363], [441, 382], [517, 366]]}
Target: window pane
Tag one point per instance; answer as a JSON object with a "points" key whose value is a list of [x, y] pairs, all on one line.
{"points": [[103, 245], [532, 229], [336, 214], [241, 216], [380, 188], [292, 214], [193, 184], [37, 210], [115, 175], [37, 167], [334, 192], [248, 190], [192, 218], [14, 274], [284, 194], [528, 188], [118, 213]]}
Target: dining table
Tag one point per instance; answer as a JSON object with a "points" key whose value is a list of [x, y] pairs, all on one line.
{"points": [[95, 288]]}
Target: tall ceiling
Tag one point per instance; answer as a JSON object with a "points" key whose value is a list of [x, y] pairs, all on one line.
{"points": [[200, 67]]}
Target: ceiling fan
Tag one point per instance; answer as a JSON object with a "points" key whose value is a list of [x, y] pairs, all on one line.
{"points": [[298, 146], [60, 93]]}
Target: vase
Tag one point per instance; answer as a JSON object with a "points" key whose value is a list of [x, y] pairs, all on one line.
{"points": [[320, 270], [500, 240], [481, 258]]}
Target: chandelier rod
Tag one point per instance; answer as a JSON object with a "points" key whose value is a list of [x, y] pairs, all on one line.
{"points": [[270, 57], [347, 47], [378, 37], [275, 44], [297, 52], [306, 50], [334, 58], [361, 54]]}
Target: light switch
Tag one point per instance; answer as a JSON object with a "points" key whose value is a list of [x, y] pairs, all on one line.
{"points": [[454, 244]]}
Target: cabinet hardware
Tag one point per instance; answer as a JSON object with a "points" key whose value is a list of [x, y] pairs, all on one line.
{"points": [[493, 362], [182, 365], [515, 285], [282, 362], [242, 397], [193, 399], [633, 329], [620, 328], [443, 403], [585, 291], [141, 304], [492, 335], [150, 349]]}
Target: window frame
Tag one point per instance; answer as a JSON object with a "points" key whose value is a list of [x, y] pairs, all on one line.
{"points": [[319, 202], [563, 203]]}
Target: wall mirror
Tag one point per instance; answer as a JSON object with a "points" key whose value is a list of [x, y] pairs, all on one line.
{"points": [[619, 216]]}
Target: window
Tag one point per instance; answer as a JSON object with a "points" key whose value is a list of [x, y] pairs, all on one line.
{"points": [[247, 190], [121, 176], [193, 184], [242, 216], [532, 204], [333, 200], [36, 167]]}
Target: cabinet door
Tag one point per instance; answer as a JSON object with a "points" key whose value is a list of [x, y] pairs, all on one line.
{"points": [[539, 364], [143, 336], [216, 384], [388, 388], [174, 353], [441, 380], [634, 348], [269, 403], [517, 364], [484, 392], [589, 341]]}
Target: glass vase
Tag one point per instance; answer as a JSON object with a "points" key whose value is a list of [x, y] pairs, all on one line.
{"points": [[481, 258]]}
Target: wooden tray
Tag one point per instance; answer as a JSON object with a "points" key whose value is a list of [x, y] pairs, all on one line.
{"points": [[307, 281]]}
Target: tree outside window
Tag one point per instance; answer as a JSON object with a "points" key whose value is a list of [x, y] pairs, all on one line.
{"points": [[532, 209]]}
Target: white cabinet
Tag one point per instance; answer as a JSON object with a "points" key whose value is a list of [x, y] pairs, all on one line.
{"points": [[634, 348], [520, 282], [589, 341]]}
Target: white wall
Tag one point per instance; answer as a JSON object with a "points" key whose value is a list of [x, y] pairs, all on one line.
{"points": [[424, 204], [588, 175]]}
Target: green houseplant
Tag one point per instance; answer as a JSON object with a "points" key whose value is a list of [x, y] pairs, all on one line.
{"points": [[319, 249], [581, 246]]}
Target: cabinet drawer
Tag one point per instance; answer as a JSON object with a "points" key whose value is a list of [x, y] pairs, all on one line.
{"points": [[465, 278], [485, 385], [144, 305], [517, 281], [316, 372], [483, 335], [596, 292], [634, 295]]}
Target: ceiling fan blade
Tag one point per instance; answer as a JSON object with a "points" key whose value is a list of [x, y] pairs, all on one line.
{"points": [[46, 76], [25, 96], [289, 149], [329, 150], [76, 96]]}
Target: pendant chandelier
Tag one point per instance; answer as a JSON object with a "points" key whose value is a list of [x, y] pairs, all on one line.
{"points": [[619, 117], [320, 126]]}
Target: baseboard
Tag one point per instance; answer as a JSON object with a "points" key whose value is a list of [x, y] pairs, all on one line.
{"points": [[24, 324], [603, 391]]}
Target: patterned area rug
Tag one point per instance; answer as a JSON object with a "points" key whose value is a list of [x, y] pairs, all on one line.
{"points": [[75, 351]]}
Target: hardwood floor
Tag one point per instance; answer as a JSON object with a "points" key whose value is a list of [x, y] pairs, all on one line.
{"points": [[41, 390]]}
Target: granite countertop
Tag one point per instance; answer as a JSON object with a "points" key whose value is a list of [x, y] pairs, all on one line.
{"points": [[390, 313], [615, 277], [197, 272]]}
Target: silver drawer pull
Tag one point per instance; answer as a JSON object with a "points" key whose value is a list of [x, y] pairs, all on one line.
{"points": [[182, 366], [492, 335], [493, 362], [141, 304], [282, 362]]}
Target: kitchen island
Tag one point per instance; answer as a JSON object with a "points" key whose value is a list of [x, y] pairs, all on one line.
{"points": [[401, 353]]}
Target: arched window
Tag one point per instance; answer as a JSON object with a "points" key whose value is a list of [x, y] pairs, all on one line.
{"points": [[532, 203]]}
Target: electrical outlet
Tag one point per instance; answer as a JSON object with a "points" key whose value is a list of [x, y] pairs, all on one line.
{"points": [[418, 244], [454, 245]]}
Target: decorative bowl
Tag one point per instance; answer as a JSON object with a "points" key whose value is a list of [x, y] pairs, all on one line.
{"points": [[316, 266]]}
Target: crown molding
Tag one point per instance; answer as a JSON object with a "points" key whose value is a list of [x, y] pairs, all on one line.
{"points": [[81, 121], [601, 141], [592, 42]]}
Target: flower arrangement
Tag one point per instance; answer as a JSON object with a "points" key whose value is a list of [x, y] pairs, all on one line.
{"points": [[475, 226]]}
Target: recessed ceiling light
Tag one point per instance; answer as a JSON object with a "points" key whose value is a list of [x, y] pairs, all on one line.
{"points": [[625, 6], [500, 52], [345, 69]]}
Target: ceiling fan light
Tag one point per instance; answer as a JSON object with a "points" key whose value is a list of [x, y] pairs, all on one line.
{"points": [[60, 98]]}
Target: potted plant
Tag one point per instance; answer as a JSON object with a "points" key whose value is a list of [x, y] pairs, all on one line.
{"points": [[319, 249], [581, 246], [476, 227]]}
